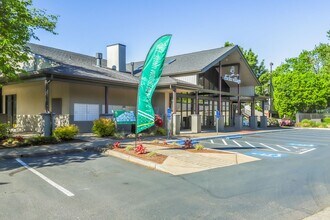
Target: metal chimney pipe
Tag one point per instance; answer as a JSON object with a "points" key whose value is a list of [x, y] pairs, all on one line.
{"points": [[98, 57], [132, 68]]}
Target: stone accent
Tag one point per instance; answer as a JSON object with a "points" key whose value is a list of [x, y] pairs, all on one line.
{"points": [[29, 123], [35, 123], [253, 122], [176, 123], [196, 126], [263, 121], [61, 120], [238, 122]]}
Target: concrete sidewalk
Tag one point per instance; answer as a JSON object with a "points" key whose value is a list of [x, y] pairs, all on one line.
{"points": [[90, 142], [322, 215], [43, 150]]}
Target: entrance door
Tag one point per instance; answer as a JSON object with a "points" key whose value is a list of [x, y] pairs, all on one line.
{"points": [[11, 109], [57, 106]]}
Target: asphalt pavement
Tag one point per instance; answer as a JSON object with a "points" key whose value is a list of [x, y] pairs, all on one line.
{"points": [[291, 181]]}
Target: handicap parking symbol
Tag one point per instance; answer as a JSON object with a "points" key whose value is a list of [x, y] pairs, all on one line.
{"points": [[266, 154]]}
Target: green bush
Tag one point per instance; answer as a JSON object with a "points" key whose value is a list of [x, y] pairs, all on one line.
{"points": [[104, 127], [152, 154], [129, 148], [40, 140], [326, 120], [66, 132], [273, 122], [4, 131], [118, 135], [161, 131], [199, 147]]}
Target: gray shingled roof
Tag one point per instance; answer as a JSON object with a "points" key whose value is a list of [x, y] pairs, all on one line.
{"points": [[83, 66], [187, 63], [81, 61]]}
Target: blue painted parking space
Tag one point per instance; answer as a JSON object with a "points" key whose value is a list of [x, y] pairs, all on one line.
{"points": [[272, 145]]}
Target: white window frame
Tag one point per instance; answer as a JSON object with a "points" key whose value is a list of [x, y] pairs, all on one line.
{"points": [[86, 112]]}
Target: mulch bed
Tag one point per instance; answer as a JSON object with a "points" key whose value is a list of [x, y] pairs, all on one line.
{"points": [[158, 158], [24, 146]]}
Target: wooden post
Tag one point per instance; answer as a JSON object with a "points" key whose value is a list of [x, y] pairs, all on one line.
{"points": [[106, 108], [220, 88], [47, 82], [174, 101], [197, 104], [238, 98]]}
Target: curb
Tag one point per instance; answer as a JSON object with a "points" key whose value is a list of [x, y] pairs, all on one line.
{"points": [[149, 164], [230, 135]]}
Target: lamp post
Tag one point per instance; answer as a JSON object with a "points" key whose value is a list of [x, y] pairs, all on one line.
{"points": [[270, 90]]}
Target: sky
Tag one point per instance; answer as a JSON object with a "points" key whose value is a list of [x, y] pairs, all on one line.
{"points": [[273, 29]]}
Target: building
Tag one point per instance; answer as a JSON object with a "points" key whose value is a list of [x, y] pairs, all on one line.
{"points": [[78, 88]]}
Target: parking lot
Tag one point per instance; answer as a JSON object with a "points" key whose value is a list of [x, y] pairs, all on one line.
{"points": [[291, 181], [272, 145]]}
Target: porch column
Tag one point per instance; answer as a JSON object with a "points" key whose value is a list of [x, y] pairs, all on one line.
{"points": [[47, 83], [106, 109], [221, 122], [47, 116], [253, 119], [196, 104], [196, 125], [263, 118], [238, 118], [176, 119]]}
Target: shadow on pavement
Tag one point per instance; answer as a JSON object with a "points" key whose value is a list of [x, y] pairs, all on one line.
{"points": [[50, 160]]}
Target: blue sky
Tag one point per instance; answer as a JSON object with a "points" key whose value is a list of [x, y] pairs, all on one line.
{"points": [[275, 30]]}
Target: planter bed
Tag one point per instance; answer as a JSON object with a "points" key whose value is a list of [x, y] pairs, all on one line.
{"points": [[157, 158]]}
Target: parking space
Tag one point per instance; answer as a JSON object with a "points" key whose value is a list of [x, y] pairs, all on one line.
{"points": [[273, 145], [89, 185]]}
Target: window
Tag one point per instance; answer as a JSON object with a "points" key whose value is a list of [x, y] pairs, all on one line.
{"points": [[85, 112]]}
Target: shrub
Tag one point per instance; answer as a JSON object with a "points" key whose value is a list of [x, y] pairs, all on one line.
{"points": [[273, 122], [118, 136], [129, 148], [161, 131], [199, 147], [326, 120], [40, 140], [4, 131], [152, 154], [66, 132], [140, 149], [116, 145], [188, 143], [104, 127], [158, 121]]}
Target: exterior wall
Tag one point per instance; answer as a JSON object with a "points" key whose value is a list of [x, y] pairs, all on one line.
{"points": [[244, 90], [30, 97], [190, 79], [30, 102]]}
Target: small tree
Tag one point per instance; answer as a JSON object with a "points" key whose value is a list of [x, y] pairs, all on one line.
{"points": [[18, 23]]}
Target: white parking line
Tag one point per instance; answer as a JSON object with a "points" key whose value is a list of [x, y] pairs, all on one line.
{"points": [[307, 151], [212, 141], [250, 144], [268, 147], [237, 143], [224, 142], [63, 190], [284, 148]]}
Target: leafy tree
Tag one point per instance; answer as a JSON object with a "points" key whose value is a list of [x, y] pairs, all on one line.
{"points": [[18, 23], [301, 84]]}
